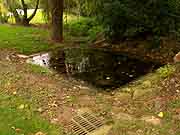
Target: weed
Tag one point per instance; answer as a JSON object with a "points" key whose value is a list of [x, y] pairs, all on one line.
{"points": [[166, 71]]}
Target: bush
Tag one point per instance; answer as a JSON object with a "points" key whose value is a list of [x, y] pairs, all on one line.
{"points": [[124, 19], [166, 71], [84, 27]]}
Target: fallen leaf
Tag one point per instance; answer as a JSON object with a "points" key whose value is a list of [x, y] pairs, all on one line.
{"points": [[22, 106], [161, 114]]}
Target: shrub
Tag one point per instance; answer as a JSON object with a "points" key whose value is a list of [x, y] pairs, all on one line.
{"points": [[166, 71], [124, 19], [84, 27]]}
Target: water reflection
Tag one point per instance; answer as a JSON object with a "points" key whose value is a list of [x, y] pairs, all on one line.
{"points": [[101, 68]]}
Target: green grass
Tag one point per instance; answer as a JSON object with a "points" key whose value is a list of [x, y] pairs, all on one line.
{"points": [[25, 40], [29, 40], [19, 118], [38, 69]]}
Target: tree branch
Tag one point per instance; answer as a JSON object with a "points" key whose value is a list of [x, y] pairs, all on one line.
{"points": [[34, 13], [24, 8]]}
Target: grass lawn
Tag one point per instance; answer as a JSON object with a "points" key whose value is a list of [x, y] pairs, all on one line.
{"points": [[28, 40], [18, 118], [25, 40]]}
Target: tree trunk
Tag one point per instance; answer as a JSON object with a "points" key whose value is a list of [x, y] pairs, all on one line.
{"points": [[57, 20], [25, 19]]}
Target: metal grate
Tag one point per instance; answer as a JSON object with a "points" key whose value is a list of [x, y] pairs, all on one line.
{"points": [[84, 124]]}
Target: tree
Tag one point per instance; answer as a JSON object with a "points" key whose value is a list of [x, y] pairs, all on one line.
{"points": [[13, 5], [26, 19], [81, 7], [57, 7], [125, 19]]}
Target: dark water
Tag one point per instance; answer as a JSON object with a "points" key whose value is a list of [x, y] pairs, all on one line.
{"points": [[101, 68]]}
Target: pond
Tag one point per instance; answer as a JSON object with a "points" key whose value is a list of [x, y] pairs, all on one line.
{"points": [[101, 68]]}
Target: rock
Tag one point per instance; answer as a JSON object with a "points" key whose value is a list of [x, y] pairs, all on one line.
{"points": [[152, 120], [177, 58]]}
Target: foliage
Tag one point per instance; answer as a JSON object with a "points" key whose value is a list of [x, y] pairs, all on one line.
{"points": [[81, 7], [17, 3], [3, 14], [166, 71], [21, 18], [3, 18], [127, 19], [84, 27]]}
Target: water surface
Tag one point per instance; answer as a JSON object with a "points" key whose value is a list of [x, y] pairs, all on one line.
{"points": [[101, 68]]}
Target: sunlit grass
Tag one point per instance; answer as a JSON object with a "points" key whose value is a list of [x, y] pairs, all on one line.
{"points": [[26, 40]]}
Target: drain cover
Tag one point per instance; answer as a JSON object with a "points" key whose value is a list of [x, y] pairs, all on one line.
{"points": [[84, 123]]}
